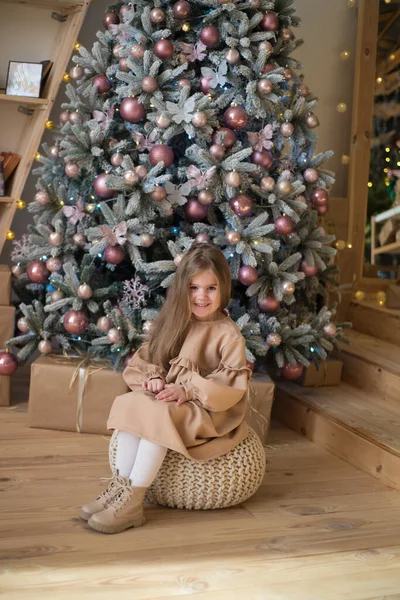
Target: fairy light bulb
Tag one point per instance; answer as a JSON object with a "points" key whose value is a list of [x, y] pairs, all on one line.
{"points": [[345, 159], [345, 55], [379, 80], [341, 107], [369, 184]]}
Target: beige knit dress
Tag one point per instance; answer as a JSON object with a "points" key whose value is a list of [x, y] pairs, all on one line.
{"points": [[211, 366]]}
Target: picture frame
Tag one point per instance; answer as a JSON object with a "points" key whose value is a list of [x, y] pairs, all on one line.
{"points": [[24, 79]]}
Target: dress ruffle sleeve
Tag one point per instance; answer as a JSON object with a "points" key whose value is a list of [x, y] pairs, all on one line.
{"points": [[224, 387], [140, 369]]}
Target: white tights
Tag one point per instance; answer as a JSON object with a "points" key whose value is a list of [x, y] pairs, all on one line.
{"points": [[138, 459]]}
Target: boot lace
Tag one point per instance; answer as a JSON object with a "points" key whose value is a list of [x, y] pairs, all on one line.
{"points": [[121, 498], [115, 484]]}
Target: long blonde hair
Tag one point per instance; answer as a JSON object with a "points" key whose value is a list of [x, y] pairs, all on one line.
{"points": [[172, 324]]}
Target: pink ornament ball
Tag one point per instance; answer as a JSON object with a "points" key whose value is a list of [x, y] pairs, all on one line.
{"points": [[42, 198], [149, 84], [159, 194], [117, 159], [248, 275], [37, 271], [202, 238], [194, 210], [205, 84], [319, 197], [75, 118], [181, 10], [217, 151], [164, 49], [114, 335], [104, 324], [64, 117], [235, 117], [209, 35], [283, 225], [330, 329], [45, 347], [163, 153], [17, 270], [232, 237], [292, 372], [241, 205], [268, 67], [131, 110], [227, 137], [8, 363], [308, 270], [100, 187], [137, 51], [53, 152], [262, 159], [125, 9], [123, 65], [23, 325], [54, 264], [72, 170], [322, 210], [114, 255], [75, 322], [110, 18], [310, 175], [269, 22], [102, 83], [269, 304]]}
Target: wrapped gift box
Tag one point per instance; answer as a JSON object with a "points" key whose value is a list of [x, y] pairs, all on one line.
{"points": [[328, 373], [5, 285], [261, 397], [7, 318], [72, 394], [393, 296]]}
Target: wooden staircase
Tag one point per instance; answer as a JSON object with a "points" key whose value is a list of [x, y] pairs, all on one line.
{"points": [[359, 420]]}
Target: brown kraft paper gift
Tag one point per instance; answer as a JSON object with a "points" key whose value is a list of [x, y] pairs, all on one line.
{"points": [[393, 296], [261, 397], [5, 285], [329, 373], [72, 394]]}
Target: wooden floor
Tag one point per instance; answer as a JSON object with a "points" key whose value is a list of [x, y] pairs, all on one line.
{"points": [[318, 529]]}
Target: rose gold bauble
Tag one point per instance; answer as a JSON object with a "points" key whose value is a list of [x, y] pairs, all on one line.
{"points": [[128, 359], [301, 198], [269, 304], [202, 238], [163, 153], [288, 288], [56, 239], [264, 87], [181, 10], [248, 275], [114, 335], [75, 118], [75, 322], [149, 84], [157, 15], [53, 264], [232, 237], [141, 171], [330, 329], [265, 46], [54, 152], [283, 225], [147, 327], [79, 239], [147, 240], [205, 197], [288, 74], [262, 159], [104, 324], [269, 22], [312, 121], [292, 372], [123, 65], [284, 186], [322, 210], [319, 197], [117, 50], [267, 184], [183, 82], [136, 51], [194, 210], [72, 170], [45, 347], [232, 56], [130, 177], [287, 34], [273, 340], [310, 175], [110, 18], [64, 117], [100, 187], [23, 325], [235, 117], [178, 259], [267, 68], [17, 270], [8, 363], [233, 179], [131, 110], [102, 83], [308, 270], [205, 85], [57, 295], [164, 49], [199, 119], [159, 194], [287, 129], [162, 121], [117, 159], [241, 205], [42, 198], [84, 291], [114, 255], [224, 136], [209, 35], [217, 151], [304, 90], [125, 9]]}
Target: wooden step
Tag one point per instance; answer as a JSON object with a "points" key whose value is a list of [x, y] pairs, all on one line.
{"points": [[378, 321], [347, 422], [372, 365]]}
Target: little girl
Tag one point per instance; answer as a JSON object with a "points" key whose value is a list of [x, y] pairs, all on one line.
{"points": [[188, 383]]}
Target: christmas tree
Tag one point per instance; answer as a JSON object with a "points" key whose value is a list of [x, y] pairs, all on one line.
{"points": [[186, 123]]}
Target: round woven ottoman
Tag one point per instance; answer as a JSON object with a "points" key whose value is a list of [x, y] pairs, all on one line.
{"points": [[217, 483]]}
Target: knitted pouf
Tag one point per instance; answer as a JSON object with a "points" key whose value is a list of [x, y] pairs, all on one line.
{"points": [[216, 483]]}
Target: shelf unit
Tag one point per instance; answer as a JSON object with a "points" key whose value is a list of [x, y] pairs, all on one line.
{"points": [[51, 27], [394, 247]]}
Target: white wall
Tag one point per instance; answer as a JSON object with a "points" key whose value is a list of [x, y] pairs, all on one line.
{"points": [[328, 27]]}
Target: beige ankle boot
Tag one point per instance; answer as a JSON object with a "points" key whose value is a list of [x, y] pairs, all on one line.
{"points": [[101, 502], [124, 510]]}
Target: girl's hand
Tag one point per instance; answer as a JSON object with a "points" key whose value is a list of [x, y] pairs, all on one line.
{"points": [[154, 385], [171, 393]]}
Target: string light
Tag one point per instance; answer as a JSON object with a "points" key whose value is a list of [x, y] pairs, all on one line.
{"points": [[359, 295], [381, 298], [186, 27], [369, 184], [340, 244], [345, 55], [341, 107], [379, 80]]}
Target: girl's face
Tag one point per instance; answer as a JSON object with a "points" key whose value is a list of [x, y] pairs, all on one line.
{"points": [[205, 296]]}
